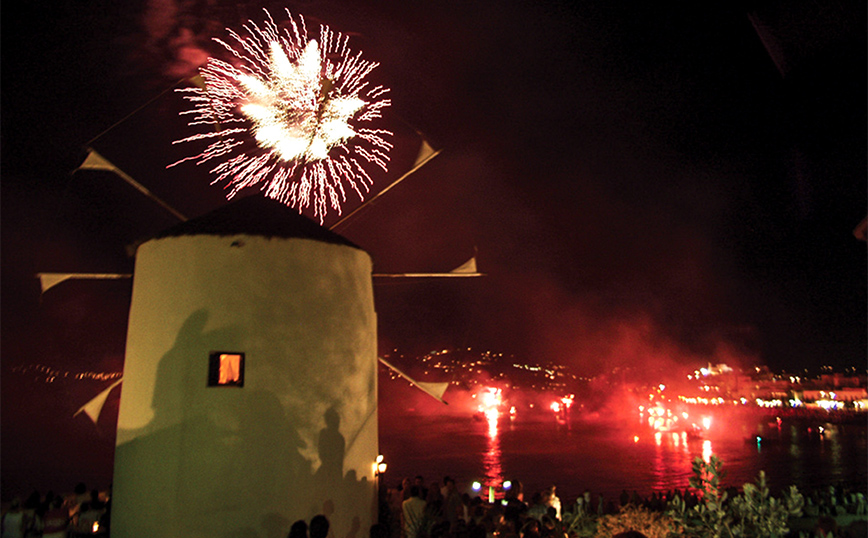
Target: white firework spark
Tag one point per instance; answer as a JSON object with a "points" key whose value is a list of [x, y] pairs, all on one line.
{"points": [[290, 114]]}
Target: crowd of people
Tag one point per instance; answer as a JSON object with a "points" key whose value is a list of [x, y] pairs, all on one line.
{"points": [[82, 513], [413, 509], [438, 510]]}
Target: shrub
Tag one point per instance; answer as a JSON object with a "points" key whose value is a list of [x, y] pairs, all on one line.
{"points": [[634, 518], [753, 513]]}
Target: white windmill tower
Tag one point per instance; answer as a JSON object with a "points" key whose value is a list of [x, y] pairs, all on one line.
{"points": [[249, 397]]}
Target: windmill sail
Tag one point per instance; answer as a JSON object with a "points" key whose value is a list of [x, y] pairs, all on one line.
{"points": [[435, 390]]}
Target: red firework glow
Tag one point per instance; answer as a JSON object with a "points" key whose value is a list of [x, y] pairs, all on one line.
{"points": [[291, 114], [490, 401]]}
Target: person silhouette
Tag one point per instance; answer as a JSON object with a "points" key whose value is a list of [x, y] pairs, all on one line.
{"points": [[298, 530], [319, 526], [331, 449]]}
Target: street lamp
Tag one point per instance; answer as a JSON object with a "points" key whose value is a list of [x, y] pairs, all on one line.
{"points": [[380, 466]]}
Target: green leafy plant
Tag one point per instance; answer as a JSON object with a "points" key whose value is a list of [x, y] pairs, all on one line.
{"points": [[753, 513], [756, 513], [708, 518], [635, 518], [577, 523]]}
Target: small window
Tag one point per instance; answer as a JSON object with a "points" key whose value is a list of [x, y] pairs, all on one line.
{"points": [[226, 369]]}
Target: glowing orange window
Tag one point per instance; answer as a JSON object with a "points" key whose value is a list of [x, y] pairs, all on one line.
{"points": [[226, 369]]}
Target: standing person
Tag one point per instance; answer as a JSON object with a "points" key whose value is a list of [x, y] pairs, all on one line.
{"points": [[33, 515], [56, 521], [395, 499], [405, 489], [553, 501], [414, 511], [434, 500], [624, 498], [516, 491], [14, 521], [81, 496], [420, 481], [538, 505], [453, 508]]}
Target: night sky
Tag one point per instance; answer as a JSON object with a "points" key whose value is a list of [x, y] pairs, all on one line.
{"points": [[641, 184]]}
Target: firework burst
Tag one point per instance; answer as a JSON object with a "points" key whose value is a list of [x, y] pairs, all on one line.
{"points": [[290, 114]]}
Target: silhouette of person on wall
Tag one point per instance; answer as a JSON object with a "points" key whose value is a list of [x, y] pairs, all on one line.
{"points": [[331, 449]]}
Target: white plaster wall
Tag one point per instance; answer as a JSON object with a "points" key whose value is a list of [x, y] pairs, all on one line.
{"points": [[193, 460]]}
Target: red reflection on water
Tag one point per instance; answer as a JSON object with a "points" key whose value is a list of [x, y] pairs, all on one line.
{"points": [[492, 459], [658, 464], [490, 403], [706, 450], [672, 456]]}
